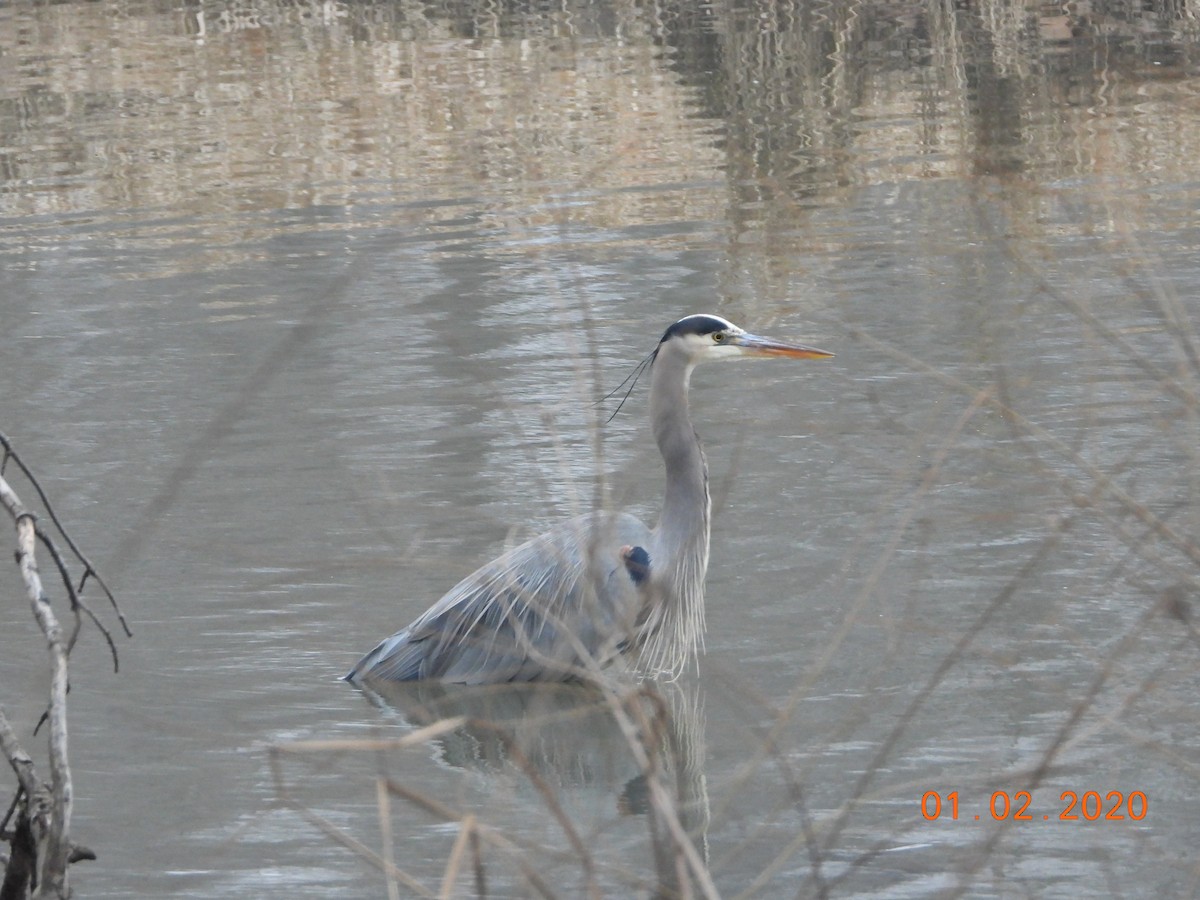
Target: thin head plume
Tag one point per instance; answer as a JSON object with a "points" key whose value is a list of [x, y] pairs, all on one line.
{"points": [[631, 379]]}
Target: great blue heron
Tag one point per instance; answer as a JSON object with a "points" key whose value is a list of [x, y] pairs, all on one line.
{"points": [[566, 603]]}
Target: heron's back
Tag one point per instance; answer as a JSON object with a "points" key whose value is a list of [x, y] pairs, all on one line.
{"points": [[552, 609]]}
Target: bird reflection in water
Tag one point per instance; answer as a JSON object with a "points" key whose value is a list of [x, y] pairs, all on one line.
{"points": [[643, 747]]}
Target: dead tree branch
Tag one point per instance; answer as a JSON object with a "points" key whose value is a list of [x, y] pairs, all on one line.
{"points": [[39, 838], [88, 569]]}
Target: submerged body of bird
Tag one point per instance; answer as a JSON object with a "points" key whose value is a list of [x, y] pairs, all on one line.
{"points": [[566, 604]]}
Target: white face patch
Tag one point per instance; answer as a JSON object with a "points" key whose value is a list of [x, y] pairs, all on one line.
{"points": [[704, 336], [713, 346]]}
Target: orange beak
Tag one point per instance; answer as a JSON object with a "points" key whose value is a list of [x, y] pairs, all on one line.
{"points": [[754, 345]]}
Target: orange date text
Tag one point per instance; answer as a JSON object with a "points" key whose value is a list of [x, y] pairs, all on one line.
{"points": [[1073, 806]]}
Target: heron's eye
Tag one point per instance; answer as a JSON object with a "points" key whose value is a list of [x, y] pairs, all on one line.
{"points": [[719, 337]]}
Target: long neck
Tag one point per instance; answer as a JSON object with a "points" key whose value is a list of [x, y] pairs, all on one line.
{"points": [[679, 555]]}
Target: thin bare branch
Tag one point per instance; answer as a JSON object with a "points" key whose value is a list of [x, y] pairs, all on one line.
{"points": [[89, 569], [466, 828], [77, 602]]}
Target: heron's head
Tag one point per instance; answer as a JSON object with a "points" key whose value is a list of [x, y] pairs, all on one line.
{"points": [[703, 337]]}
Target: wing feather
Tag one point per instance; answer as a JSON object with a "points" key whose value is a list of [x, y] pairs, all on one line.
{"points": [[547, 610]]}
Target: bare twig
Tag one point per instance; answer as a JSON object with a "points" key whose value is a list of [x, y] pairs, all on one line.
{"points": [[1103, 484], [77, 602], [665, 810], [454, 861], [474, 835], [89, 570], [383, 802]]}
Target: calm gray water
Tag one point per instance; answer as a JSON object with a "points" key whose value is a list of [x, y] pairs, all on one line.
{"points": [[305, 311]]}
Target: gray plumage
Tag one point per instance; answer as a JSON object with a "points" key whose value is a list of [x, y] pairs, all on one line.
{"points": [[567, 603]]}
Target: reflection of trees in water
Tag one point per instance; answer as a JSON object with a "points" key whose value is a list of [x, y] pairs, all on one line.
{"points": [[797, 83], [803, 95], [639, 747]]}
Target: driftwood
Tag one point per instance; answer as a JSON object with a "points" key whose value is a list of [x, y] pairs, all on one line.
{"points": [[37, 825]]}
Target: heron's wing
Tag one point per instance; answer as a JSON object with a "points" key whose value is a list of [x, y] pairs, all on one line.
{"points": [[547, 610]]}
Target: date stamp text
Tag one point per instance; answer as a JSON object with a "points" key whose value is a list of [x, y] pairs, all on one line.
{"points": [[1089, 806]]}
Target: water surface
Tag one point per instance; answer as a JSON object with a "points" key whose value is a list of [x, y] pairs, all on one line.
{"points": [[306, 308]]}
